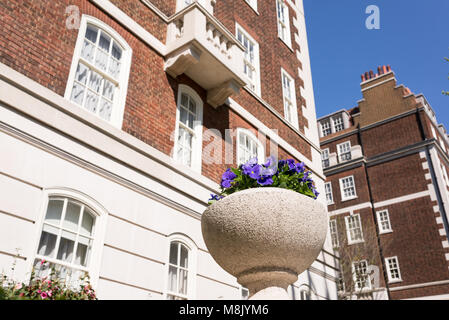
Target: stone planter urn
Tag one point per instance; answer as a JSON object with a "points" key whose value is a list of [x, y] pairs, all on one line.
{"points": [[265, 237]]}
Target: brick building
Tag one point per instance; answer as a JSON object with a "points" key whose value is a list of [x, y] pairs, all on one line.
{"points": [[386, 164], [113, 127]]}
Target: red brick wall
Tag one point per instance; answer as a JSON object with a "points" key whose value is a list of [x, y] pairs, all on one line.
{"points": [[274, 53], [360, 184], [416, 242], [397, 178], [35, 42], [390, 136]]}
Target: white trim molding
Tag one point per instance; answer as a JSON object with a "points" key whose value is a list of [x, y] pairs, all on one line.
{"points": [[408, 197]]}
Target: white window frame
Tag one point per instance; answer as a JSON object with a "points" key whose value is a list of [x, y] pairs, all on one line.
{"points": [[334, 233], [101, 214], [256, 65], [192, 266], [340, 146], [284, 25], [260, 147], [348, 229], [343, 198], [334, 125], [197, 142], [389, 271], [382, 230], [118, 107], [331, 200], [325, 157], [294, 121], [252, 4], [327, 122], [354, 276]]}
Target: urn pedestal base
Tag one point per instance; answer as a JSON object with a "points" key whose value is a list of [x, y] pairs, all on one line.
{"points": [[268, 284]]}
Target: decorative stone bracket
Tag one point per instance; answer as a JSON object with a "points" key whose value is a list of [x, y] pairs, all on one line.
{"points": [[199, 46]]}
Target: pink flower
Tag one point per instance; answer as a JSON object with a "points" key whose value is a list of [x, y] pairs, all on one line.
{"points": [[44, 295], [18, 286], [21, 294], [38, 291], [42, 261], [49, 293]]}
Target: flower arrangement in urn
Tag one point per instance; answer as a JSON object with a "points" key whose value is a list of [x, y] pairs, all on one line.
{"points": [[265, 227], [286, 174]]}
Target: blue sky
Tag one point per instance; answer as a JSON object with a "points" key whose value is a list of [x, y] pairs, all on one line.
{"points": [[413, 39]]}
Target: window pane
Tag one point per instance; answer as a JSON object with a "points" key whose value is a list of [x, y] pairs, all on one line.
{"points": [[174, 253], [101, 59], [114, 68], [105, 42], [77, 93], [116, 51], [182, 289], [95, 81], [105, 109], [87, 223], [108, 90], [65, 251], [91, 101], [87, 51], [81, 73], [183, 116], [72, 216], [91, 33], [184, 257], [47, 244], [54, 211], [172, 275], [82, 251]]}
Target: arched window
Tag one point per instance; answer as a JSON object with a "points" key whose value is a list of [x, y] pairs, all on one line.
{"points": [[67, 238], [99, 75], [189, 128], [248, 147], [181, 268]]}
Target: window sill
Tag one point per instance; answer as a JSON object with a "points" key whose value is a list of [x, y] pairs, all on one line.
{"points": [[289, 46], [254, 9], [355, 242], [330, 203], [394, 281], [349, 199], [386, 232]]}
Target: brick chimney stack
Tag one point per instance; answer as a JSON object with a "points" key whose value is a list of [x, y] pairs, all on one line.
{"points": [[381, 70]]}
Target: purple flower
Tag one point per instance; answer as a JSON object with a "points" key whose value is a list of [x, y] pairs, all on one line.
{"points": [[281, 164], [254, 172], [226, 184], [252, 168], [300, 167], [265, 180], [306, 178], [227, 178], [228, 175], [291, 164]]}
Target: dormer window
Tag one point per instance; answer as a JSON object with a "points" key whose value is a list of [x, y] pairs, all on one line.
{"points": [[325, 128], [338, 123]]}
